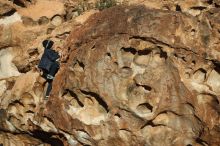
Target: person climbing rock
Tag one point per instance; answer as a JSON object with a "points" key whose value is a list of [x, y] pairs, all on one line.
{"points": [[49, 64]]}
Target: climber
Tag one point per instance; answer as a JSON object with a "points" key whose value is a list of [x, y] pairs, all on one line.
{"points": [[49, 64]]}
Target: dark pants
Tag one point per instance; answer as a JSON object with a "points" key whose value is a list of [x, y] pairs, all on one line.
{"points": [[53, 70], [49, 87]]}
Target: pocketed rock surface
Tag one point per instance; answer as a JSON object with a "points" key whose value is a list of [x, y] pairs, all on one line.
{"points": [[143, 73]]}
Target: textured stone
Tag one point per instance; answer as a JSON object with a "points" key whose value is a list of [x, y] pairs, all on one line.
{"points": [[7, 68], [56, 20], [42, 8], [144, 81], [5, 9], [43, 20], [11, 19], [5, 36], [15, 140]]}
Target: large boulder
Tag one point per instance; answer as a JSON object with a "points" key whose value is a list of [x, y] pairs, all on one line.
{"points": [[125, 80]]}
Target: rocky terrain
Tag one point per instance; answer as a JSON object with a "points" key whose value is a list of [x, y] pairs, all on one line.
{"points": [[133, 73]]}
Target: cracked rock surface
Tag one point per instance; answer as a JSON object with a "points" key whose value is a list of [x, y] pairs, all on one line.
{"points": [[144, 73]]}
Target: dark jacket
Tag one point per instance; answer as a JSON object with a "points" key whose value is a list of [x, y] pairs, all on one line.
{"points": [[48, 58]]}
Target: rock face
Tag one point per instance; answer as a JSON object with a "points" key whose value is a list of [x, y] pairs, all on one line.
{"points": [[141, 74]]}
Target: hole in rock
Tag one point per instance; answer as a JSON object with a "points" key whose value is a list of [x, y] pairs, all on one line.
{"points": [[163, 54], [74, 95], [118, 115], [148, 123], [184, 59], [49, 119], [30, 112], [63, 35], [190, 105], [43, 20], [146, 87], [200, 141], [210, 2], [202, 70], [144, 106], [126, 67], [151, 124], [16, 102], [144, 52], [9, 13], [178, 8], [169, 111], [108, 54], [10, 85], [98, 98], [127, 130], [93, 47], [193, 31], [32, 106], [81, 64], [57, 15], [24, 69], [48, 137], [216, 66], [33, 52], [18, 2], [66, 18], [198, 8], [129, 50], [116, 63], [125, 71]]}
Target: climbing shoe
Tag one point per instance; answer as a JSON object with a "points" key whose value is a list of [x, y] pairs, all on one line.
{"points": [[49, 77]]}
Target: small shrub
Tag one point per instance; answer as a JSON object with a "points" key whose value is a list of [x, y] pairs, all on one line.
{"points": [[103, 4]]}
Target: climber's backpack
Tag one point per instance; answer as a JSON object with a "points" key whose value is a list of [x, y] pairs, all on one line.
{"points": [[47, 59]]}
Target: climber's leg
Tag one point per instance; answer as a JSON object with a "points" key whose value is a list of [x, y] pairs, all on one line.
{"points": [[49, 88], [50, 76]]}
